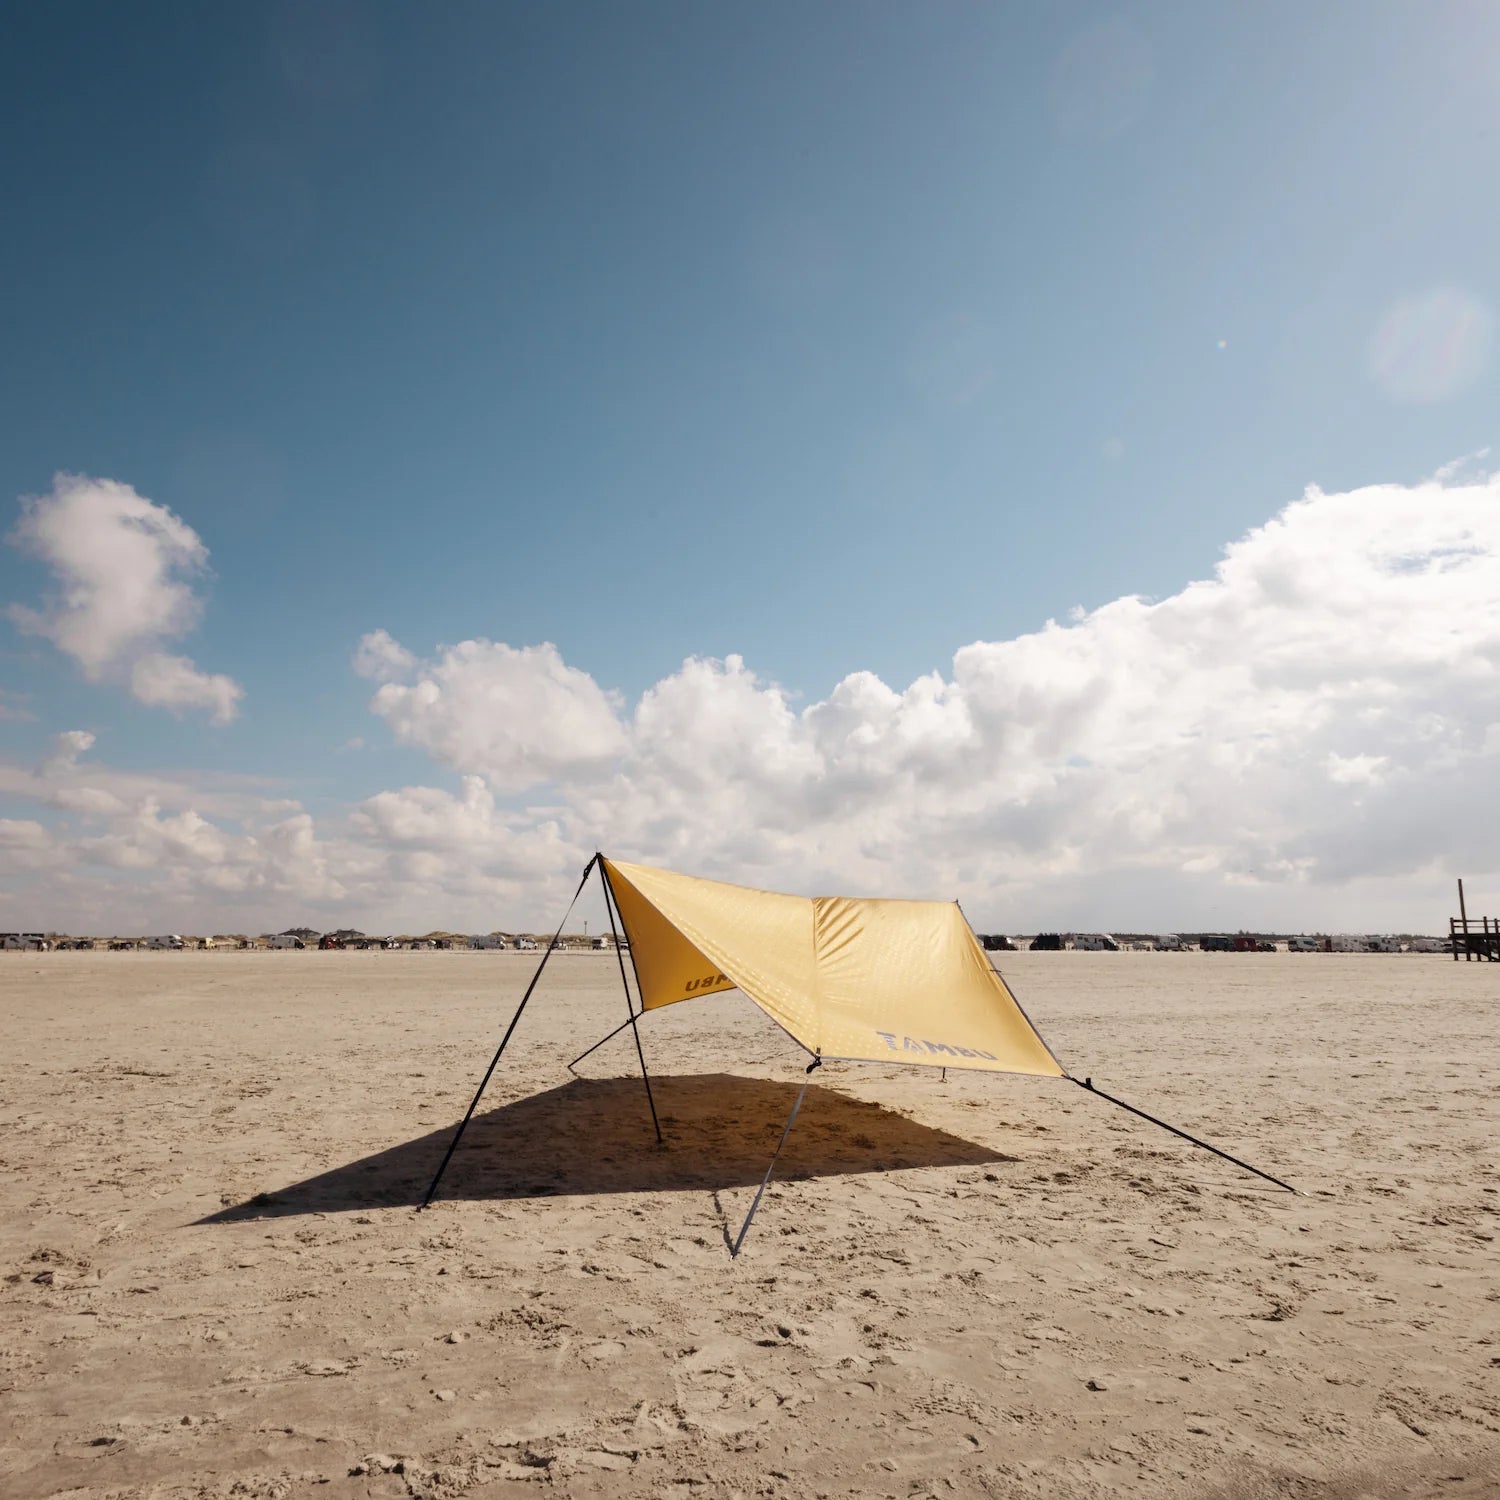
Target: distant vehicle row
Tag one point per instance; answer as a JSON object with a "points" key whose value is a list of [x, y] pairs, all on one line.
{"points": [[1239, 942], [38, 942]]}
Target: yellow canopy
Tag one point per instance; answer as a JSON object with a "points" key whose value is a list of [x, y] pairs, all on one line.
{"points": [[864, 980]]}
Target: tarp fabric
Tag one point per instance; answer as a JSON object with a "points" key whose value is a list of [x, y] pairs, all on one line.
{"points": [[866, 980]]}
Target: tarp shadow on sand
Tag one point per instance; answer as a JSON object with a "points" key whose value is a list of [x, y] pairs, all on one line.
{"points": [[593, 1135]]}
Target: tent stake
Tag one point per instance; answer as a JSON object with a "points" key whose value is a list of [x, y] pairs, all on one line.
{"points": [[734, 1249], [629, 1008], [588, 869], [1088, 1083]]}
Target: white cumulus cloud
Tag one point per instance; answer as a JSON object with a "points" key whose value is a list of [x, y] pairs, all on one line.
{"points": [[66, 748], [383, 658], [167, 681], [122, 566], [518, 717]]}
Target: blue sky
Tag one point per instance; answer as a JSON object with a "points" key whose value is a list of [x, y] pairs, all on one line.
{"points": [[833, 337]]}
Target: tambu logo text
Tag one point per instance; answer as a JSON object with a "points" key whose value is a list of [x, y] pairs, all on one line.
{"points": [[924, 1047]]}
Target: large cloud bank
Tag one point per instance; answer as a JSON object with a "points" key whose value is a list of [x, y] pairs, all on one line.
{"points": [[1298, 741], [122, 567], [1320, 711]]}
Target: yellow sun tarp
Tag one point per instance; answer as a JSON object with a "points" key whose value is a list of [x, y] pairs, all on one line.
{"points": [[867, 980]]}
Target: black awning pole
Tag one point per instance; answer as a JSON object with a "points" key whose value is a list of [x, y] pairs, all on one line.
{"points": [[1088, 1083], [602, 1040], [474, 1103], [734, 1249], [631, 1017]]}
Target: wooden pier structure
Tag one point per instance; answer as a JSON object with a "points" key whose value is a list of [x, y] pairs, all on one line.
{"points": [[1473, 942]]}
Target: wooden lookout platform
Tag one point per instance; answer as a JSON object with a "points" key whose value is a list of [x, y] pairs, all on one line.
{"points": [[1473, 937]]}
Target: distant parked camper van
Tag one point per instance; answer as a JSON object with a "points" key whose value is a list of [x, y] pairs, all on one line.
{"points": [[168, 940], [492, 941], [526, 945], [1095, 942], [37, 940], [1216, 943], [284, 940], [600, 944], [1307, 945], [1169, 942]]}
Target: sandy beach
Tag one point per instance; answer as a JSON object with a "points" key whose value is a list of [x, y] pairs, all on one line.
{"points": [[215, 1284]]}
